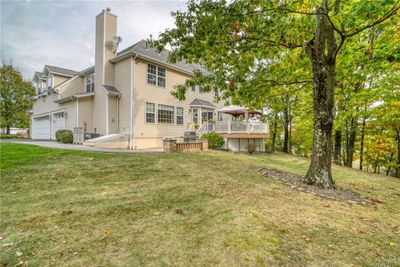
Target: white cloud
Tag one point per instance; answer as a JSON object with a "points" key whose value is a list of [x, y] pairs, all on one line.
{"points": [[61, 33]]}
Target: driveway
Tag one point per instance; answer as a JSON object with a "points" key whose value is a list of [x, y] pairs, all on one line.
{"points": [[56, 145]]}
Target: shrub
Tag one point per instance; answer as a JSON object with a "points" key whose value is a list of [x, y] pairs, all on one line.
{"points": [[214, 140], [66, 137], [59, 132], [251, 147], [8, 136]]}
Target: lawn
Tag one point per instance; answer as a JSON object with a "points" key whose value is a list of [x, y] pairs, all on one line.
{"points": [[74, 208]]}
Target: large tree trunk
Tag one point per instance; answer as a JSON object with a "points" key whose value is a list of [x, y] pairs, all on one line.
{"points": [[274, 132], [8, 129], [286, 130], [350, 142], [398, 152], [337, 155], [362, 143], [321, 51]]}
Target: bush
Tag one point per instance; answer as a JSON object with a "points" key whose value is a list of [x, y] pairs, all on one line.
{"points": [[251, 147], [8, 136], [59, 132], [66, 137], [214, 140]]}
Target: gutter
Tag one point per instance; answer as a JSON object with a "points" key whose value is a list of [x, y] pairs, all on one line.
{"points": [[152, 60]]}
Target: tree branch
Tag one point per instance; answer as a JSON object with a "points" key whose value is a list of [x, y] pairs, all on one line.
{"points": [[390, 13]]}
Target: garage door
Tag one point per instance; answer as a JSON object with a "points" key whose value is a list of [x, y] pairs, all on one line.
{"points": [[58, 124], [41, 128]]}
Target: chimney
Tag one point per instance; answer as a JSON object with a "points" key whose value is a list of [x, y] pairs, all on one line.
{"points": [[103, 113], [106, 29]]}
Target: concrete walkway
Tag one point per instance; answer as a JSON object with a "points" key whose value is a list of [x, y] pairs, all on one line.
{"points": [[56, 145]]}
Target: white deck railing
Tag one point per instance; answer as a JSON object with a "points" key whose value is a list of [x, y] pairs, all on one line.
{"points": [[234, 127]]}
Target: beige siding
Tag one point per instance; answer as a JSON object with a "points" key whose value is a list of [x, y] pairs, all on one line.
{"points": [[58, 79], [85, 114], [113, 115], [104, 70], [70, 120], [74, 86], [123, 84], [45, 104], [161, 95]]}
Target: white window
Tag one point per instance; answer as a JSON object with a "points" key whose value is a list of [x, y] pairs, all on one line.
{"points": [[179, 115], [165, 114], [155, 75], [90, 83], [195, 115], [150, 112], [49, 81]]}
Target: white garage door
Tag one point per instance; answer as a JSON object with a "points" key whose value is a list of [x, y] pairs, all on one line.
{"points": [[41, 128], [58, 124]]}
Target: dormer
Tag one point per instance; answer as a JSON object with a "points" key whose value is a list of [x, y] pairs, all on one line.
{"points": [[88, 79], [54, 76], [37, 82]]}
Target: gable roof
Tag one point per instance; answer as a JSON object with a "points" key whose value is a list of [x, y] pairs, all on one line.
{"points": [[201, 103], [37, 74], [61, 71], [86, 71], [142, 49]]}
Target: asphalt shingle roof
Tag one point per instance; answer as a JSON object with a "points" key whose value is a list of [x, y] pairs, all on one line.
{"points": [[141, 48], [61, 70], [111, 89], [200, 102]]}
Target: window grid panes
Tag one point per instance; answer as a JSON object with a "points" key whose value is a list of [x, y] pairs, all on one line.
{"points": [[179, 115], [90, 83], [165, 114], [49, 82], [150, 112], [151, 74], [155, 75]]}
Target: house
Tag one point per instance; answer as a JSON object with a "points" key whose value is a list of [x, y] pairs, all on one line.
{"points": [[124, 100]]}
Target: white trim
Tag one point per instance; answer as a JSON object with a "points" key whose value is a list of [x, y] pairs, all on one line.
{"points": [[104, 49], [77, 113], [107, 114], [151, 60], [66, 82], [48, 113]]}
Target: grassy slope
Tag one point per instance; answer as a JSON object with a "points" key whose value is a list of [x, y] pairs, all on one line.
{"points": [[75, 208]]}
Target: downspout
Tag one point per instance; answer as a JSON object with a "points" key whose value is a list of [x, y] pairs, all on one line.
{"points": [[106, 113], [77, 112], [118, 98], [131, 146]]}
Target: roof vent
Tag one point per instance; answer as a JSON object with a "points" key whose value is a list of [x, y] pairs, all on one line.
{"points": [[108, 9]]}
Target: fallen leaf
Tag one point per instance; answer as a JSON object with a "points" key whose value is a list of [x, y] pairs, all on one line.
{"points": [[106, 233]]}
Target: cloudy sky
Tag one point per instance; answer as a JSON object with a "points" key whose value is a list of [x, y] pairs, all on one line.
{"points": [[61, 33]]}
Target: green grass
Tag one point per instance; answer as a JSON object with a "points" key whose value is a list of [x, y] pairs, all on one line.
{"points": [[74, 208]]}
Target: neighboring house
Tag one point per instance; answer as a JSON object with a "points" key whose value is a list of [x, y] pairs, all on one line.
{"points": [[125, 96]]}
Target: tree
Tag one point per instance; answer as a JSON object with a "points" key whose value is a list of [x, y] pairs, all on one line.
{"points": [[15, 102], [236, 41]]}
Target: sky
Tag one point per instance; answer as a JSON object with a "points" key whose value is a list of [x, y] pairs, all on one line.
{"points": [[62, 33]]}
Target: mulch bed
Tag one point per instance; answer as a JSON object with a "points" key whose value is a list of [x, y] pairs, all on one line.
{"points": [[294, 181]]}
